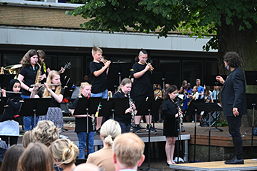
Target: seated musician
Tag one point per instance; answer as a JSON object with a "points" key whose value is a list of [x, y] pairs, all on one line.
{"points": [[81, 128], [53, 90], [10, 115], [124, 119]]}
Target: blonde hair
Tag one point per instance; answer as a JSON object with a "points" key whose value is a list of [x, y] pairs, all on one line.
{"points": [[64, 151], [82, 86], [36, 157], [45, 132], [129, 149], [109, 131], [49, 81], [27, 138], [96, 49], [124, 82]]}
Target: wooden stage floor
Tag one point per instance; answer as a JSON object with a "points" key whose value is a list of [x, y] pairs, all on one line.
{"points": [[250, 164]]}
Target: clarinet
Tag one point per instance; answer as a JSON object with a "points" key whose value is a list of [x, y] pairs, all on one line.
{"points": [[131, 103]]}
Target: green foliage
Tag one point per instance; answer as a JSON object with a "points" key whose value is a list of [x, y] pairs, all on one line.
{"points": [[193, 17]]}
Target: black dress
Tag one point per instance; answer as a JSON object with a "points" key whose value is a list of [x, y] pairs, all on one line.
{"points": [[170, 125]]}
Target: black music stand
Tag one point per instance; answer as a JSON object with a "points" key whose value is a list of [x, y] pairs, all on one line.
{"points": [[251, 104], [107, 108], [251, 79], [209, 107], [88, 106], [5, 80], [3, 101], [34, 107], [147, 107]]}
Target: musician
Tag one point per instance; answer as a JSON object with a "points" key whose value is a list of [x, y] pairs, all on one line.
{"points": [[171, 123], [124, 119], [99, 70], [200, 89], [234, 102], [83, 130], [53, 90], [142, 91], [10, 115], [28, 75]]}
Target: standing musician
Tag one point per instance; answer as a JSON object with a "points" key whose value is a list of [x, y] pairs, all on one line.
{"points": [[142, 91], [83, 130], [124, 119], [30, 73], [53, 90], [170, 113], [99, 69], [11, 112]]}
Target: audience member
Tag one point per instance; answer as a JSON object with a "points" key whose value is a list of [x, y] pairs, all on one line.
{"points": [[45, 132], [36, 157], [104, 157], [86, 167], [11, 158], [128, 151], [64, 153], [27, 138]]}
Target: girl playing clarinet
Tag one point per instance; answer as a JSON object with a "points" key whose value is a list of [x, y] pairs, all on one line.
{"points": [[170, 126], [10, 115]]}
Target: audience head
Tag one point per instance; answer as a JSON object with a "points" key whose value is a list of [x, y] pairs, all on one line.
{"points": [[11, 158], [45, 132], [128, 151], [64, 152], [85, 89], [27, 138], [36, 157], [109, 131], [86, 167]]}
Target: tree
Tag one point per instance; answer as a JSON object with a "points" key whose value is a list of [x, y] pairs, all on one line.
{"points": [[232, 24]]}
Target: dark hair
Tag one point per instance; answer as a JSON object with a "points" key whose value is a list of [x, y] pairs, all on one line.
{"points": [[41, 54], [26, 58], [11, 158], [169, 90], [233, 59], [12, 82], [142, 51]]}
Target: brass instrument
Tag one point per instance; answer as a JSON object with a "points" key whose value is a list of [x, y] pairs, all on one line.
{"points": [[103, 60], [38, 76], [150, 66], [11, 69]]}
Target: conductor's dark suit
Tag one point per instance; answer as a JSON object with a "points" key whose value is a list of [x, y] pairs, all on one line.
{"points": [[233, 96]]}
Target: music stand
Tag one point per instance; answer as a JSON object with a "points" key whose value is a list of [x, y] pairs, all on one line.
{"points": [[5, 80], [251, 104], [107, 108], [34, 107], [209, 107], [88, 106]]}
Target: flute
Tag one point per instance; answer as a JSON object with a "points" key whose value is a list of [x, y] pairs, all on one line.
{"points": [[10, 92], [40, 85]]}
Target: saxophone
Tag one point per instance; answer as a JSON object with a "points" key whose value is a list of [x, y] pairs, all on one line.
{"points": [[38, 79]]}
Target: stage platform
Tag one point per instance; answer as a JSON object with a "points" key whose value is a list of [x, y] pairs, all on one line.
{"points": [[250, 164]]}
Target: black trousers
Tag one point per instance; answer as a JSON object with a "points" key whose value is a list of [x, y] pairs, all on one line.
{"points": [[234, 124]]}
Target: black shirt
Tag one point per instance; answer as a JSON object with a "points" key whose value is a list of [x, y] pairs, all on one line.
{"points": [[52, 101], [13, 107], [142, 87], [99, 84], [122, 117], [81, 123], [29, 73]]}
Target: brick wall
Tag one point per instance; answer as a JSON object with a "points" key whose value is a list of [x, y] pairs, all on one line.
{"points": [[43, 17]]}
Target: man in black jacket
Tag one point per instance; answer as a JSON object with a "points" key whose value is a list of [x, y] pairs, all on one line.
{"points": [[233, 101]]}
